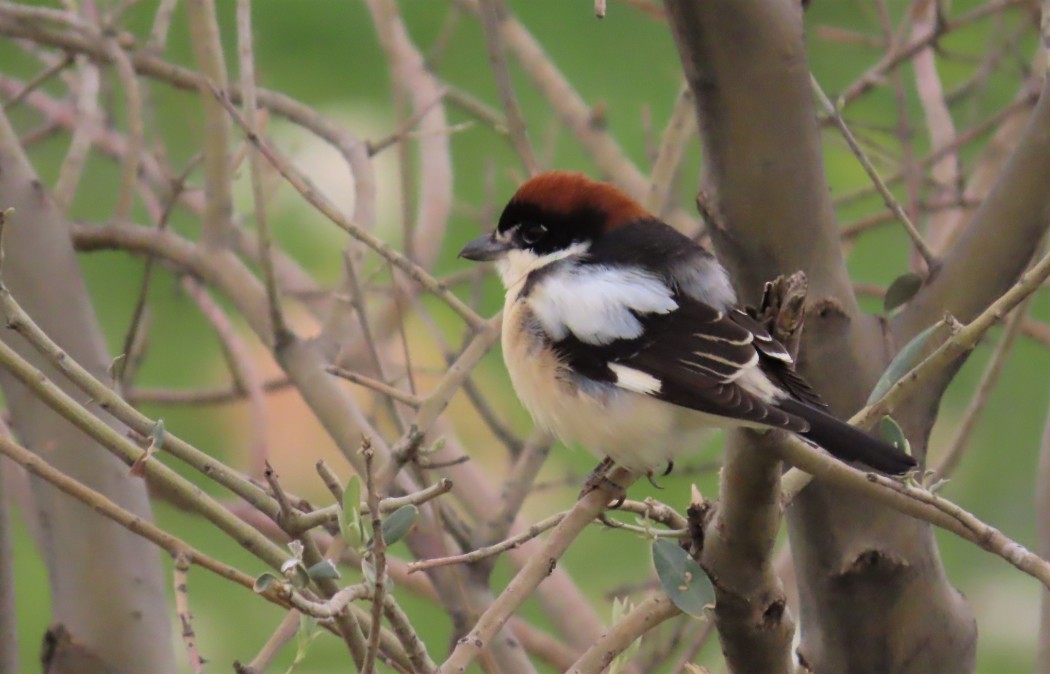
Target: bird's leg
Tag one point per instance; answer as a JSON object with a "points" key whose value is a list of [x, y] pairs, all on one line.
{"points": [[598, 478]]}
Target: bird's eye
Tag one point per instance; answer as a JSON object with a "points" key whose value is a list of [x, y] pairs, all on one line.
{"points": [[531, 232]]}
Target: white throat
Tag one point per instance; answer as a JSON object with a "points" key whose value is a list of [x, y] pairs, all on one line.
{"points": [[517, 264]]}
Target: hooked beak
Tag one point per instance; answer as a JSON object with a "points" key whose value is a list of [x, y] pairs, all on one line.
{"points": [[485, 248]]}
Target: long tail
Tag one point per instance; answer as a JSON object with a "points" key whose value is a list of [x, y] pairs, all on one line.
{"points": [[848, 442]]}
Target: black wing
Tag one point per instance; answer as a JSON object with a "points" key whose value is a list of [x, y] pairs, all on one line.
{"points": [[702, 359]]}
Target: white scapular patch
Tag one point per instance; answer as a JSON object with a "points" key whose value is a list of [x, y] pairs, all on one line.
{"points": [[597, 304], [703, 279], [635, 380]]}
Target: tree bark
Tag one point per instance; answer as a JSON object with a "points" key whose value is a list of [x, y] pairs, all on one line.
{"points": [[873, 595], [108, 590]]}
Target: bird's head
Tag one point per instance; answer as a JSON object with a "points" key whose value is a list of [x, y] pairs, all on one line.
{"points": [[552, 216]]}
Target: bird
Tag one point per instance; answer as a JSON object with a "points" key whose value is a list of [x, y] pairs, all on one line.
{"points": [[623, 335]]}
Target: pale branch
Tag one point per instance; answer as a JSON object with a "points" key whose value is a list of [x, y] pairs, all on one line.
{"points": [[330, 514], [18, 320], [136, 126], [531, 574], [319, 201], [908, 499], [960, 343], [218, 395], [905, 53], [986, 258], [516, 486], [989, 380], [48, 393], [337, 411], [242, 367], [491, 550], [680, 128], [107, 508], [378, 558], [575, 113], [181, 574], [376, 385], [246, 65], [89, 123], [633, 626], [284, 633], [218, 170], [492, 13], [415, 648], [335, 605], [145, 62]]}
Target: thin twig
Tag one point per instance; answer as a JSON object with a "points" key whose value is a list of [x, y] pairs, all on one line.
{"points": [[207, 51], [641, 619], [304, 186], [31, 86], [182, 609], [492, 550], [284, 633], [989, 379], [378, 558], [887, 196], [246, 60], [376, 385], [535, 570], [493, 13]]}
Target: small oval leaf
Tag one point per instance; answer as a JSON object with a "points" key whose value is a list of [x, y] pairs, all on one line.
{"points": [[892, 433], [400, 521], [350, 524], [352, 496], [901, 290], [263, 582], [902, 363], [323, 570], [681, 577]]}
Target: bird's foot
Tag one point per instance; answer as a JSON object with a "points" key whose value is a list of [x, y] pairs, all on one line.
{"points": [[599, 479]]}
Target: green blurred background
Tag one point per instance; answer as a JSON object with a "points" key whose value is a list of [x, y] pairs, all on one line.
{"points": [[325, 53]]}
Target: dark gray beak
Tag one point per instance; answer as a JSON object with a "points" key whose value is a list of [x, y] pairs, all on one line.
{"points": [[485, 248]]}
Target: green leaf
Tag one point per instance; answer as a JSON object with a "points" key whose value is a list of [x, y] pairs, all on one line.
{"points": [[323, 570], [892, 433], [902, 363], [263, 582], [400, 521], [350, 524], [681, 577], [901, 290]]}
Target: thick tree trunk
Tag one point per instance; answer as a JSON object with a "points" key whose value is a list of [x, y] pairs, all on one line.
{"points": [[873, 595], [107, 586]]}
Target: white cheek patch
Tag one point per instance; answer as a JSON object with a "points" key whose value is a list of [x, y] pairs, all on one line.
{"points": [[635, 380], [598, 304]]}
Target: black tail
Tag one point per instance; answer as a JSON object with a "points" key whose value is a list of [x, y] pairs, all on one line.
{"points": [[848, 442]]}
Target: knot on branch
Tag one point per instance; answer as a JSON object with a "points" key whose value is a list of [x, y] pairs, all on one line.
{"points": [[877, 563]]}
